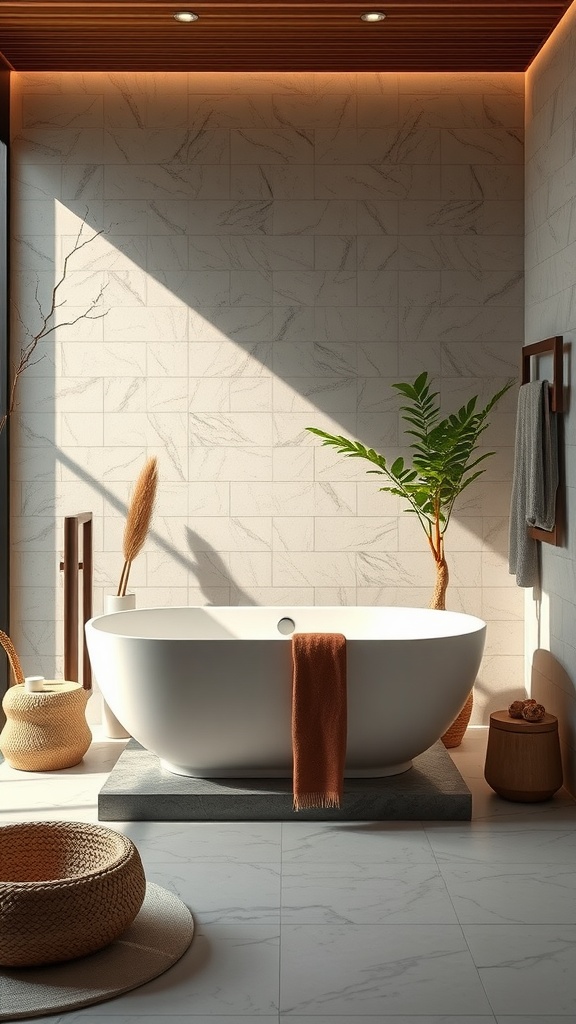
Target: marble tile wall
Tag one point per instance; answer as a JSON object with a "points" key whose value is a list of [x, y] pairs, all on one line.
{"points": [[551, 310], [275, 251]]}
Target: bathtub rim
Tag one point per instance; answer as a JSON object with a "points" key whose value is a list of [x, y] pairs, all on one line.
{"points": [[474, 622]]}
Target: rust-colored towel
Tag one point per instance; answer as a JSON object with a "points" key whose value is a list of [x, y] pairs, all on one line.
{"points": [[318, 718]]}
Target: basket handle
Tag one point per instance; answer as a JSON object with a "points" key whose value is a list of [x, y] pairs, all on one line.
{"points": [[13, 658]]}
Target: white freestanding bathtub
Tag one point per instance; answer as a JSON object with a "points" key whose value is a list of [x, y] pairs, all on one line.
{"points": [[208, 689]]}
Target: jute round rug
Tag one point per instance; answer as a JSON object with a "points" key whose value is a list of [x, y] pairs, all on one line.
{"points": [[156, 939]]}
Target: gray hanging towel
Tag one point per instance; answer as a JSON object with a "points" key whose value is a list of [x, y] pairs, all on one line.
{"points": [[535, 479]]}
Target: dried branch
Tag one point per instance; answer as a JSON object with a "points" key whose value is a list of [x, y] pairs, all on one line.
{"points": [[47, 323]]}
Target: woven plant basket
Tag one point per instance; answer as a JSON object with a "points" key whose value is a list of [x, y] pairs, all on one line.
{"points": [[44, 731], [66, 890], [455, 734]]}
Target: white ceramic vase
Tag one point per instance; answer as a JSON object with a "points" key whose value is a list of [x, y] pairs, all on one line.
{"points": [[114, 729]]}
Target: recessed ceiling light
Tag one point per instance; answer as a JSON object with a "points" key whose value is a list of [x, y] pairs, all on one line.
{"points": [[373, 16], [185, 16]]}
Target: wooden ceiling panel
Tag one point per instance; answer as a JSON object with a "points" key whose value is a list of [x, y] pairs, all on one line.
{"points": [[417, 35]]}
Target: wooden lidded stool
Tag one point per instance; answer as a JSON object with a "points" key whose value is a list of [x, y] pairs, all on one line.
{"points": [[523, 758]]}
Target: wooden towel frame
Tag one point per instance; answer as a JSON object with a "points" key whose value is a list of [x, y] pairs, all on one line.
{"points": [[71, 566], [555, 347]]}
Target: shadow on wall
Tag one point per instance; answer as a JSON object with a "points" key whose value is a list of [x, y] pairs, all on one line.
{"points": [[554, 688], [205, 565], [505, 696], [210, 570]]}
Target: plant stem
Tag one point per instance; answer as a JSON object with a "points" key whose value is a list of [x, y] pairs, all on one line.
{"points": [[438, 535], [441, 584], [123, 580]]}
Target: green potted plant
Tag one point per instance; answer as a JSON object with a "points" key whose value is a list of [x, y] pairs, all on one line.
{"points": [[445, 462]]}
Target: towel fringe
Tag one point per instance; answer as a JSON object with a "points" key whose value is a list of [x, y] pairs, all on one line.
{"points": [[308, 801]]}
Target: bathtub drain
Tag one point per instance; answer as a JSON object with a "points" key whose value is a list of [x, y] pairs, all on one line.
{"points": [[286, 626]]}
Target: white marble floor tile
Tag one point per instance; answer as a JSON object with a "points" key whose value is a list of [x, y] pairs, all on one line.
{"points": [[506, 1018], [217, 892], [526, 970], [558, 812], [42, 800], [228, 970], [70, 794], [509, 843], [387, 1019], [359, 842], [93, 1015], [474, 741], [379, 970], [535, 815], [102, 753], [388, 893], [487, 804], [367, 909], [512, 893], [470, 766], [180, 842], [470, 756]]}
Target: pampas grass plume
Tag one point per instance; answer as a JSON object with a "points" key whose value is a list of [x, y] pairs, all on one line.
{"points": [[138, 519]]}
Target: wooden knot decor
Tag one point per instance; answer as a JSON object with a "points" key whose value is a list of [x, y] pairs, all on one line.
{"points": [[534, 712], [515, 709], [529, 710]]}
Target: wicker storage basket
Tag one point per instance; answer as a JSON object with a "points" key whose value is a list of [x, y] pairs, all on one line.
{"points": [[47, 730], [455, 733], [66, 890]]}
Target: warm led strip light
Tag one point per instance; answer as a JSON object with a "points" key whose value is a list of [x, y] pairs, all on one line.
{"points": [[185, 16]]}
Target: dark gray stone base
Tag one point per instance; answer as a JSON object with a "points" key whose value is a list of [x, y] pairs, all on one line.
{"points": [[138, 789]]}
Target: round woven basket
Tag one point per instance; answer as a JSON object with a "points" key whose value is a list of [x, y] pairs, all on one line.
{"points": [[66, 890], [46, 730], [455, 733]]}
